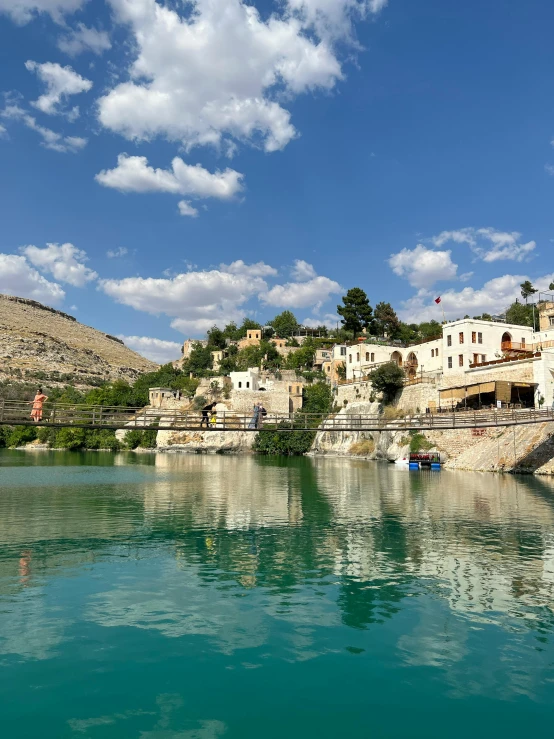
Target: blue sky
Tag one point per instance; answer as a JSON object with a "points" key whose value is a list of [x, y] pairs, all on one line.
{"points": [[167, 166]]}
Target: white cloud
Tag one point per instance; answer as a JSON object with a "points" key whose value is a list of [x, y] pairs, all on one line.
{"points": [[260, 269], [133, 174], [494, 297], [115, 253], [505, 245], [158, 350], [329, 319], [61, 82], [301, 294], [549, 168], [50, 139], [186, 209], [82, 38], [195, 300], [216, 72], [17, 277], [422, 267], [65, 262], [302, 270], [333, 18], [22, 11], [3, 132]]}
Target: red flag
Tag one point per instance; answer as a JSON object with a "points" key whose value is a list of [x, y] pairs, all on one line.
{"points": [[437, 300]]}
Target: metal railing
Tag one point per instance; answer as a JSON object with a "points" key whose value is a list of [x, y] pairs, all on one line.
{"points": [[56, 415]]}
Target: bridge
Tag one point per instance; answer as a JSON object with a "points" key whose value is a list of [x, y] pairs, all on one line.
{"points": [[57, 415]]}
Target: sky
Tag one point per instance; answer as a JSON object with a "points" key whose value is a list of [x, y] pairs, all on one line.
{"points": [[168, 165]]}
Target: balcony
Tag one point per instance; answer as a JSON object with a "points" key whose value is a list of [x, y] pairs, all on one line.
{"points": [[516, 346]]}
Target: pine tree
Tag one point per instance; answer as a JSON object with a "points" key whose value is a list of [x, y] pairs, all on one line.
{"points": [[356, 311]]}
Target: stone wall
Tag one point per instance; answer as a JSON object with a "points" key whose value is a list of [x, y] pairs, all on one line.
{"points": [[414, 397], [517, 371]]}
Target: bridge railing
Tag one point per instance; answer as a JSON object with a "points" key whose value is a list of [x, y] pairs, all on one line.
{"points": [[114, 417]]}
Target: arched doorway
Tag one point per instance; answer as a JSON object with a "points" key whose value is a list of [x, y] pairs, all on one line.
{"points": [[397, 358], [506, 341], [411, 365]]}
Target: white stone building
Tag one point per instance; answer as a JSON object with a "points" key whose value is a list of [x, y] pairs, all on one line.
{"points": [[248, 380]]}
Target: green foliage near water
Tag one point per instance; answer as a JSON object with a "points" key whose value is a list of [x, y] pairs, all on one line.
{"points": [[316, 399], [418, 442]]}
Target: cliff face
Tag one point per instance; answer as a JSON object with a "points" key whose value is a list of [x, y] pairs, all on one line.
{"points": [[40, 343]]}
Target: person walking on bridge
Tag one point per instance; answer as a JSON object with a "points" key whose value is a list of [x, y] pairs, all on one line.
{"points": [[205, 414], [37, 403]]}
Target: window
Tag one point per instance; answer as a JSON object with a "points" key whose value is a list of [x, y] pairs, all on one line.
{"points": [[460, 360], [240, 385], [479, 338], [449, 341], [367, 356], [357, 356], [523, 343], [475, 359], [483, 358], [551, 320], [449, 362], [298, 390], [343, 351], [461, 337], [350, 358], [372, 357], [436, 352], [247, 384], [432, 352], [290, 388], [473, 337]]}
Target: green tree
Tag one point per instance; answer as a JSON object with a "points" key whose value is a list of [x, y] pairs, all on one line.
{"points": [[302, 358], [199, 361], [407, 333], [386, 320], [285, 324], [519, 314], [483, 317], [247, 324], [430, 329], [388, 379], [356, 312], [551, 286], [216, 338], [527, 290]]}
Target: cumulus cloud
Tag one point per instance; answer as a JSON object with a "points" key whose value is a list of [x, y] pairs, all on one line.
{"points": [[133, 174], [329, 319], [213, 74], [82, 38], [18, 277], [301, 294], [115, 253], [195, 300], [61, 83], [50, 139], [158, 350], [22, 11], [3, 132], [64, 261], [260, 269], [333, 18], [422, 267], [301, 270], [489, 244], [186, 209], [494, 297]]}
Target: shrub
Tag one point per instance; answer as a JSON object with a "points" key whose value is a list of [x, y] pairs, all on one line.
{"points": [[390, 413], [418, 442], [362, 448], [387, 379], [143, 438], [199, 402], [21, 435]]}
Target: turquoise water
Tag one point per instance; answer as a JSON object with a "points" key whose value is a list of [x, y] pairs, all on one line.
{"points": [[195, 597]]}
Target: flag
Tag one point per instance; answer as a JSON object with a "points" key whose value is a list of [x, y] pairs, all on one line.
{"points": [[437, 300]]}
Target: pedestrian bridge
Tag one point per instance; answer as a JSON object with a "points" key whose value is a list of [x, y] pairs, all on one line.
{"points": [[17, 413]]}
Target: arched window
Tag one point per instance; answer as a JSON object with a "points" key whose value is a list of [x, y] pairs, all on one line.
{"points": [[372, 357]]}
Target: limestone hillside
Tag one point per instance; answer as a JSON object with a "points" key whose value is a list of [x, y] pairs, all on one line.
{"points": [[40, 343]]}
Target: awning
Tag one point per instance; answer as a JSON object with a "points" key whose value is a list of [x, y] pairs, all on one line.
{"points": [[479, 388]]}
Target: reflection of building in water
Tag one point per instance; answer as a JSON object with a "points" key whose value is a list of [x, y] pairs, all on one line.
{"points": [[230, 492]]}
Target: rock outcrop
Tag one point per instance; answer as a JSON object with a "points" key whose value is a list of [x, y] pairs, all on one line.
{"points": [[44, 344], [205, 442]]}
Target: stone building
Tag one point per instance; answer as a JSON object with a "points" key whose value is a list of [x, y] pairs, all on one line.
{"points": [[546, 316]]}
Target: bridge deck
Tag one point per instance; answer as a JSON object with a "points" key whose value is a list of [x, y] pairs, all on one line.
{"points": [[17, 413]]}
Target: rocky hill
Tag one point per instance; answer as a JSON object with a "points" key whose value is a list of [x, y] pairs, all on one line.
{"points": [[38, 343]]}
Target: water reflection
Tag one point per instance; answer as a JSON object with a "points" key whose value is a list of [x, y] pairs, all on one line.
{"points": [[291, 559]]}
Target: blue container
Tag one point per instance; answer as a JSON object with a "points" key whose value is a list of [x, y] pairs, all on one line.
{"points": [[435, 466], [414, 465]]}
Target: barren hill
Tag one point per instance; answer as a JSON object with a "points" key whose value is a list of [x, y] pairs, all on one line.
{"points": [[40, 343]]}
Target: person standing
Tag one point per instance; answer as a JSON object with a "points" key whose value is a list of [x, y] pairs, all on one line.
{"points": [[205, 414], [255, 417], [37, 403]]}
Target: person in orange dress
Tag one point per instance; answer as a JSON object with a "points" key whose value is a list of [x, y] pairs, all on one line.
{"points": [[37, 403]]}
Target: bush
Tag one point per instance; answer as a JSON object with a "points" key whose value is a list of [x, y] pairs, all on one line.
{"points": [[21, 435], [199, 402], [362, 448], [418, 443], [387, 379], [143, 438]]}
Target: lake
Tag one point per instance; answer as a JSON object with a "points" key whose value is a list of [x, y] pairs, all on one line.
{"points": [[196, 597]]}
